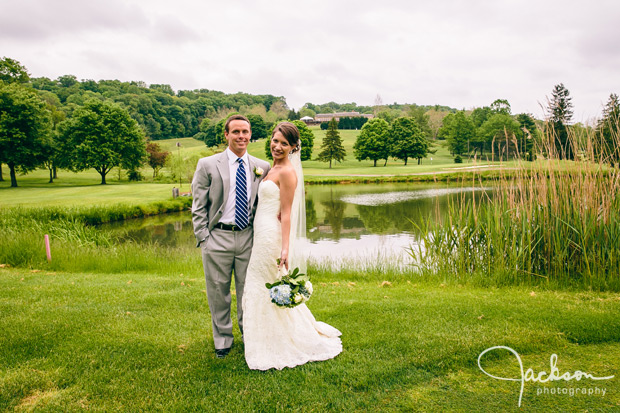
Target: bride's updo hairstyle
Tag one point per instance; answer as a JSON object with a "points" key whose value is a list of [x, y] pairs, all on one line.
{"points": [[290, 133]]}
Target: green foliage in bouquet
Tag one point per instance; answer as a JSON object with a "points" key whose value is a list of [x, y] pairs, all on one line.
{"points": [[291, 289]]}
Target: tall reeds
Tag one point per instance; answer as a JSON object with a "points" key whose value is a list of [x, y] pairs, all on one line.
{"points": [[555, 222]]}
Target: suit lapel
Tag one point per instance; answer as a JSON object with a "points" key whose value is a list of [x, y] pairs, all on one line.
{"points": [[224, 169]]}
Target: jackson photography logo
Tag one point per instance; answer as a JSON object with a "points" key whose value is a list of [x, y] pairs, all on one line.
{"points": [[544, 377]]}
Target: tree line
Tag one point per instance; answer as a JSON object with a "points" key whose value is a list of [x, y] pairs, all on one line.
{"points": [[347, 122], [35, 132], [77, 125], [495, 130], [162, 113], [491, 129]]}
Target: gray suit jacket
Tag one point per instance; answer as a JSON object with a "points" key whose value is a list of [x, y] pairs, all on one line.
{"points": [[210, 188]]}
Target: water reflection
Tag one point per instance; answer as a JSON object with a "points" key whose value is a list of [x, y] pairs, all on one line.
{"points": [[404, 196], [362, 223]]}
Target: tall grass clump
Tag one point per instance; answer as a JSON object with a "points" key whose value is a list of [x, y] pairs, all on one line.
{"points": [[77, 243], [554, 222]]}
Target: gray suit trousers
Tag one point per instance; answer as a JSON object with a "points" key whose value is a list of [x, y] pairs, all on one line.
{"points": [[224, 253]]}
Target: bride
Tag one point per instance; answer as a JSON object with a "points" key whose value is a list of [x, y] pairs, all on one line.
{"points": [[278, 337]]}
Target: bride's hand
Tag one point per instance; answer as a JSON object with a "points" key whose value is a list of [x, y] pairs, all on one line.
{"points": [[284, 259]]}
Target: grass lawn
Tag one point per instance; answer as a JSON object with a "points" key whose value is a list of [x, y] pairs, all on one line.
{"points": [[141, 342], [76, 189], [441, 161]]}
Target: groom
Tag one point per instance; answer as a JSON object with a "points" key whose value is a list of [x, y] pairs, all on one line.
{"points": [[224, 190]]}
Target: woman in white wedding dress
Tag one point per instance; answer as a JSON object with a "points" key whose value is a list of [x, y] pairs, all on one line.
{"points": [[278, 337]]}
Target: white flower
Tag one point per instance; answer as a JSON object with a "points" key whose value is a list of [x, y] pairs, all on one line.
{"points": [[258, 171], [298, 297], [308, 286]]}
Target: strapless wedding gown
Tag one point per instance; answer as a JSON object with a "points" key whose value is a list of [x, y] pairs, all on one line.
{"points": [[278, 337]]}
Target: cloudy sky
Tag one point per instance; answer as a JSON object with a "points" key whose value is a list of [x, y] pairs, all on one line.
{"points": [[461, 54]]}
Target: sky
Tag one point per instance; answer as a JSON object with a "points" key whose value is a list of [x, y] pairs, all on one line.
{"points": [[462, 54]]}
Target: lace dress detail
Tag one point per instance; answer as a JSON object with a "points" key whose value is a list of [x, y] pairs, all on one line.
{"points": [[277, 337]]}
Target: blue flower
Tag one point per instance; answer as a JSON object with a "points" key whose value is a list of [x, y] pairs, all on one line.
{"points": [[281, 294]]}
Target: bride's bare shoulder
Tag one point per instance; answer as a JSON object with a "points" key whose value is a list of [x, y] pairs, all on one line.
{"points": [[288, 177]]}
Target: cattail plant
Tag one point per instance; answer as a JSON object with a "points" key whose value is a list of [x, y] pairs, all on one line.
{"points": [[551, 221]]}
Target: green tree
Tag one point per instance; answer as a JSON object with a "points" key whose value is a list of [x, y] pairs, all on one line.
{"points": [[202, 129], [480, 115], [389, 114], [51, 153], [418, 113], [608, 131], [344, 123], [560, 113], [458, 130], [11, 71], [307, 139], [259, 127], [408, 140], [373, 141], [25, 128], [52, 149], [293, 115], [501, 106], [102, 135], [500, 132], [212, 133], [306, 112], [332, 149], [530, 134]]}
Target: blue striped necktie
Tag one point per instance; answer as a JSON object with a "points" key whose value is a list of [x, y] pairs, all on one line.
{"points": [[241, 203]]}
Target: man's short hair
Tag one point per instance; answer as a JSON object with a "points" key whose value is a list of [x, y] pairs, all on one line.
{"points": [[236, 117]]}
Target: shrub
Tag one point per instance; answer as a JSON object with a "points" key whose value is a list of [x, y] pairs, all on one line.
{"points": [[135, 176]]}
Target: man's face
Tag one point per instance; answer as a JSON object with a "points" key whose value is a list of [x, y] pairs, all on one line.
{"points": [[238, 136]]}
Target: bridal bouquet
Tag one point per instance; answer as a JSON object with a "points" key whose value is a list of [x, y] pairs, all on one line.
{"points": [[291, 289]]}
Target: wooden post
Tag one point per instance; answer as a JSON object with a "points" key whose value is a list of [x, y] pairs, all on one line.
{"points": [[47, 248]]}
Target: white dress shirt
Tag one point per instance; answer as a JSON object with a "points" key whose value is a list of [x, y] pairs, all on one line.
{"points": [[228, 217]]}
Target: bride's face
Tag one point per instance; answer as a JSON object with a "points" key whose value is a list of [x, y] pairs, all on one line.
{"points": [[280, 148]]}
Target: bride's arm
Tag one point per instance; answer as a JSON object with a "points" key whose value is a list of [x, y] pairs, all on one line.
{"points": [[288, 181]]}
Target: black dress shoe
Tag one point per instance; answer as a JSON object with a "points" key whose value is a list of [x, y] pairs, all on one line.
{"points": [[220, 353]]}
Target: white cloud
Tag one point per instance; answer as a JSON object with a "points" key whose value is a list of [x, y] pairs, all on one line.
{"points": [[457, 53]]}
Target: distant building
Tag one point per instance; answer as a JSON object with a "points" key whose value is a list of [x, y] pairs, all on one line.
{"points": [[326, 117]]}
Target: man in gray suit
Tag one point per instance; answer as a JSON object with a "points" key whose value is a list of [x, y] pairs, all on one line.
{"points": [[224, 189]]}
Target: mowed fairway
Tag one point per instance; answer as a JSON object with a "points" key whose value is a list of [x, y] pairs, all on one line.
{"points": [[84, 188], [80, 189]]}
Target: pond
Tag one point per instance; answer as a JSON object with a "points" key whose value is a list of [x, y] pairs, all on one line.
{"points": [[347, 224]]}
